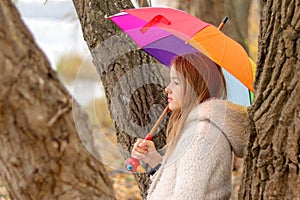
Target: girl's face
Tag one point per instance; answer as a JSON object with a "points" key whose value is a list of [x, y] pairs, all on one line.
{"points": [[174, 90]]}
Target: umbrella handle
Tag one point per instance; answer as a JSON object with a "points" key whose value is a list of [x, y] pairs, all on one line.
{"points": [[161, 117], [223, 23], [134, 165]]}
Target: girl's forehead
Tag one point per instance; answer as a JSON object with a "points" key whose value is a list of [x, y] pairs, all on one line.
{"points": [[173, 72]]}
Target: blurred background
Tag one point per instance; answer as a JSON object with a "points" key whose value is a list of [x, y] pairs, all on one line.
{"points": [[57, 31]]}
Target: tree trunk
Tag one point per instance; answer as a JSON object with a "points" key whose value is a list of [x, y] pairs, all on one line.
{"points": [[41, 154], [272, 169], [213, 11], [133, 81]]}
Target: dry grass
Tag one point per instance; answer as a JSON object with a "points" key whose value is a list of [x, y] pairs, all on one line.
{"points": [[3, 193]]}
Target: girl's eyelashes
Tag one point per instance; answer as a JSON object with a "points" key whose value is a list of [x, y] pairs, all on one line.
{"points": [[175, 81]]}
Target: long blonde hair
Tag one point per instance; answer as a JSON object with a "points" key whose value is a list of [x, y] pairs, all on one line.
{"points": [[201, 79]]}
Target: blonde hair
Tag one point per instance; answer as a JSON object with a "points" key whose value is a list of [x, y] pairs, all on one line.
{"points": [[201, 79]]}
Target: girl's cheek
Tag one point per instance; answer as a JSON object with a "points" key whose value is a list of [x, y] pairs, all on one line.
{"points": [[179, 93]]}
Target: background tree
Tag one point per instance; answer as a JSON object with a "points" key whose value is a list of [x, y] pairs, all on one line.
{"points": [[41, 154], [133, 83], [272, 163]]}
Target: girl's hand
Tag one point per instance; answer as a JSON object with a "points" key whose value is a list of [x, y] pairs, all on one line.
{"points": [[145, 151]]}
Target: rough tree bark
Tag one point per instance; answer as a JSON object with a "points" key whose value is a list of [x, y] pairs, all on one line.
{"points": [[133, 83], [213, 11], [272, 165], [41, 154]]}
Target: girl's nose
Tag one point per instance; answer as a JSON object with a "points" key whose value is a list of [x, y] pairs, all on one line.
{"points": [[167, 90]]}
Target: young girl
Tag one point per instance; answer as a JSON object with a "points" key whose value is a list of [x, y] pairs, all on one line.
{"points": [[202, 132]]}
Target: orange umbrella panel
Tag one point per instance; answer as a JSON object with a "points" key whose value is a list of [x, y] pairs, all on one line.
{"points": [[225, 52]]}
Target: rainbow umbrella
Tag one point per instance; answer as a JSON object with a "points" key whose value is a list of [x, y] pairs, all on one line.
{"points": [[166, 33]]}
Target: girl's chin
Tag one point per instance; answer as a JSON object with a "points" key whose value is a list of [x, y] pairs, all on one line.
{"points": [[173, 107]]}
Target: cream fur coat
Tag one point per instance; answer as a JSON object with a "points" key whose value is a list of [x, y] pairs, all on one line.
{"points": [[200, 166]]}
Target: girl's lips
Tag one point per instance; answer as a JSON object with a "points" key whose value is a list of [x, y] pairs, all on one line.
{"points": [[169, 99]]}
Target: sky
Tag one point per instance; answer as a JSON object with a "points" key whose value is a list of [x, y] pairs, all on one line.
{"points": [[57, 31], [54, 26]]}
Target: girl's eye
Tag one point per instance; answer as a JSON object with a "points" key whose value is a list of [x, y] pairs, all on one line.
{"points": [[176, 83]]}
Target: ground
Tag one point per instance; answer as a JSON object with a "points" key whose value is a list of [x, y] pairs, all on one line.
{"points": [[126, 188]]}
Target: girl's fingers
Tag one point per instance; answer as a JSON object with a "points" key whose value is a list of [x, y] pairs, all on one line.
{"points": [[137, 155], [140, 143], [143, 146], [143, 150]]}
